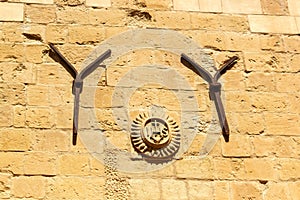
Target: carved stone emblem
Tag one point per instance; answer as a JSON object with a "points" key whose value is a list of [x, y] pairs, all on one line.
{"points": [[155, 137]]}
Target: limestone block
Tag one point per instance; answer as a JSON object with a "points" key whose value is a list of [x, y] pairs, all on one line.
{"points": [[273, 24], [13, 94], [64, 116], [282, 124], [205, 21], [38, 1], [53, 74], [277, 191], [33, 187], [237, 101], [11, 11], [72, 15], [245, 190], [172, 20], [221, 190], [207, 39], [98, 3], [294, 7], [168, 192], [242, 42], [5, 185], [233, 81], [241, 6], [79, 34], [12, 161], [293, 100], [74, 164], [200, 190], [69, 2], [56, 33], [11, 32], [287, 82], [10, 52], [267, 62], [34, 53], [192, 5], [229, 168], [280, 146], [97, 167], [159, 5], [51, 140], [260, 169], [197, 169], [271, 42], [214, 6], [294, 63], [144, 189], [19, 116], [260, 82], [76, 188], [236, 23], [291, 43], [17, 72], [249, 123], [75, 54], [276, 7], [40, 163], [6, 117], [61, 96], [289, 169], [239, 146], [38, 95], [15, 139], [294, 189], [40, 14], [34, 33], [39, 117]]}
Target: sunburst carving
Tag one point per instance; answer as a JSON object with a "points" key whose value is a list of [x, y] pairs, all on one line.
{"points": [[155, 137]]}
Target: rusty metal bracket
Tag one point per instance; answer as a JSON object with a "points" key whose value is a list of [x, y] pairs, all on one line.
{"points": [[78, 80], [214, 87]]}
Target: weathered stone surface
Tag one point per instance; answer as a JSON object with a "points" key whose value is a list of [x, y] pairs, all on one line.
{"points": [[38, 163], [39, 117], [273, 24], [96, 3], [15, 139], [11, 12], [245, 190], [33, 187], [168, 191], [198, 168], [12, 162], [276, 7], [200, 190], [241, 6], [239, 146], [40, 14], [74, 164], [145, 189], [51, 140], [192, 5]]}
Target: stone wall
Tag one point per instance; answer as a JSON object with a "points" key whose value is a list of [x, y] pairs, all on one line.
{"points": [[262, 97]]}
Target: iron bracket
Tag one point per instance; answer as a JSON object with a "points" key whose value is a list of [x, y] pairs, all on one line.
{"points": [[214, 87], [78, 80]]}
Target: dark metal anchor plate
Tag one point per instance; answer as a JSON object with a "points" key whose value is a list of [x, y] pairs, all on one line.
{"points": [[214, 87], [78, 80]]}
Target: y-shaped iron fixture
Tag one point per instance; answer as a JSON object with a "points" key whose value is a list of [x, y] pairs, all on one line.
{"points": [[78, 80], [214, 87]]}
